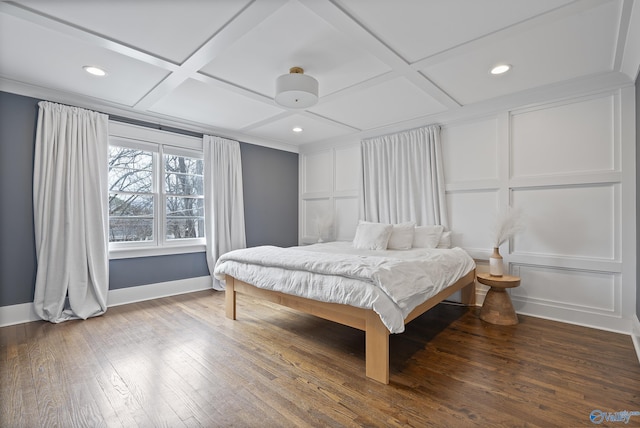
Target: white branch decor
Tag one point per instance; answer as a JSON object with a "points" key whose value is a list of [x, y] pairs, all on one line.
{"points": [[508, 223], [324, 224]]}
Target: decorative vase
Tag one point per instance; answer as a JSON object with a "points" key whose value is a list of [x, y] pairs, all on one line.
{"points": [[496, 267]]}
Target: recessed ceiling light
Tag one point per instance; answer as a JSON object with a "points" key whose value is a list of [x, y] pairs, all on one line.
{"points": [[500, 69], [96, 71], [297, 129]]}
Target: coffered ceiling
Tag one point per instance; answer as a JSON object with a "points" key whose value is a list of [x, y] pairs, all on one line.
{"points": [[211, 66]]}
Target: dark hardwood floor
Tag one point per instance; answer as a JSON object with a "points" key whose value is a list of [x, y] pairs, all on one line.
{"points": [[179, 362]]}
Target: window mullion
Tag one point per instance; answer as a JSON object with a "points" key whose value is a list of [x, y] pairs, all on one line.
{"points": [[160, 217]]}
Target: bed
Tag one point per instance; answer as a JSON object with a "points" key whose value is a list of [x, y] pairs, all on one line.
{"points": [[376, 291]]}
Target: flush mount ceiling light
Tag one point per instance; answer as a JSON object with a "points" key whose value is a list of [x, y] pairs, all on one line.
{"points": [[296, 89], [500, 69], [297, 129], [96, 71]]}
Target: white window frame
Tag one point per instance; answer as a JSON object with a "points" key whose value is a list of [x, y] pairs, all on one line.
{"points": [[179, 151], [159, 143]]}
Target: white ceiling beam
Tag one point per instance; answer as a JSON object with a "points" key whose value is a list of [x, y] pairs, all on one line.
{"points": [[231, 87], [344, 22], [310, 115], [268, 120], [359, 87], [585, 86], [332, 122], [85, 35], [162, 89], [628, 48], [543, 18], [240, 24], [621, 39]]}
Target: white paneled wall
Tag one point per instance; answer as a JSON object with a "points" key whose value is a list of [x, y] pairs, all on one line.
{"points": [[565, 139], [569, 165], [569, 175], [474, 167], [564, 165], [329, 187]]}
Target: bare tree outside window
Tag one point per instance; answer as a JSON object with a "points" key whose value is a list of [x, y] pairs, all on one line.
{"points": [[131, 198], [184, 189], [134, 194]]}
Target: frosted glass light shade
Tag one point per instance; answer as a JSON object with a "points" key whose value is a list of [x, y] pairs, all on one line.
{"points": [[296, 90]]}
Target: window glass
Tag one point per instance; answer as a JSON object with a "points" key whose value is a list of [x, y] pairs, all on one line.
{"points": [[130, 170], [143, 212], [131, 197], [184, 197]]}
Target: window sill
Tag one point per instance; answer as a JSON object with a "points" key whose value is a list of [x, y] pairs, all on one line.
{"points": [[133, 252]]}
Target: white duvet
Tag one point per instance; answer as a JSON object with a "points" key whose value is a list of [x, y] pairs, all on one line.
{"points": [[391, 282]]}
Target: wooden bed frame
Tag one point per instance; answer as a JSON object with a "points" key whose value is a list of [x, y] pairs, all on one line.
{"points": [[376, 334]]}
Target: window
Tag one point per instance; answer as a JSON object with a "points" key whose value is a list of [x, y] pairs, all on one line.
{"points": [[131, 195], [156, 198], [184, 197]]}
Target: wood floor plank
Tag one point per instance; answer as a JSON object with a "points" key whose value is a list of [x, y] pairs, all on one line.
{"points": [[179, 362], [103, 336], [17, 394]]}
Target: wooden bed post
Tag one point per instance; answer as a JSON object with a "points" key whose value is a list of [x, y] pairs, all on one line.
{"points": [[367, 320], [468, 294], [376, 349], [230, 297]]}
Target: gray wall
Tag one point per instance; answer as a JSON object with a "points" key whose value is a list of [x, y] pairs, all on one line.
{"points": [[18, 117], [269, 175], [125, 273], [270, 181]]}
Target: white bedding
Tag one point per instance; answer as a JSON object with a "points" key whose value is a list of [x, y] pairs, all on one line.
{"points": [[391, 282]]}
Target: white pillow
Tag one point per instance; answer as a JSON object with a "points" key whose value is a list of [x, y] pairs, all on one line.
{"points": [[372, 236], [427, 236], [401, 236], [445, 240]]}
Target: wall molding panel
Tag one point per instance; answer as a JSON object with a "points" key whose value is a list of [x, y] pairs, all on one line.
{"points": [[565, 164], [569, 164], [544, 141], [577, 221], [572, 289], [329, 188]]}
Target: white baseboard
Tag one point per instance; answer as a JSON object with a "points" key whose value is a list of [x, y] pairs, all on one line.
{"points": [[615, 324], [123, 296], [635, 336], [18, 314]]}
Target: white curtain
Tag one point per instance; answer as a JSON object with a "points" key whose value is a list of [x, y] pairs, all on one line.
{"points": [[224, 211], [70, 213], [402, 178]]}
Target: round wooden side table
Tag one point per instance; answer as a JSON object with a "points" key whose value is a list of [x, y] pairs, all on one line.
{"points": [[497, 307]]}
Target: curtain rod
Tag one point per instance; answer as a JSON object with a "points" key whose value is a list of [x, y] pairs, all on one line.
{"points": [[402, 131], [123, 119], [157, 126]]}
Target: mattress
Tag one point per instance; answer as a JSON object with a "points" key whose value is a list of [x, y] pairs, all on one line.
{"points": [[390, 282]]}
